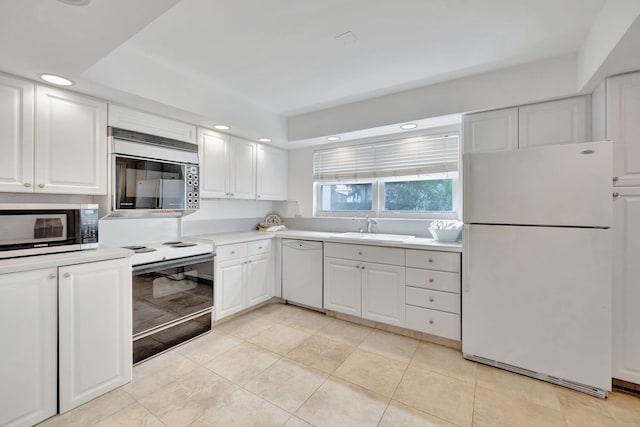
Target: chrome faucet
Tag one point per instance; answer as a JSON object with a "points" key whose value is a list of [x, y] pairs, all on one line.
{"points": [[369, 221]]}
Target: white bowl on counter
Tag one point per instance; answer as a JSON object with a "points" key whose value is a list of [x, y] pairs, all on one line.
{"points": [[446, 235]]}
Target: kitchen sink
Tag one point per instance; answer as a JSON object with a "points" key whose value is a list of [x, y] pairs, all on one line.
{"points": [[374, 237]]}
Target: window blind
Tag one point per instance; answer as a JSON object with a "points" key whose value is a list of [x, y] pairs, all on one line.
{"points": [[409, 156]]}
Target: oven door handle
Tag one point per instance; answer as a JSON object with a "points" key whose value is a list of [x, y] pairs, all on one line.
{"points": [[172, 263]]}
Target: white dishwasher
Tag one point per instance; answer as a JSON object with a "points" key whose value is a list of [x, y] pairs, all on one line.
{"points": [[302, 272]]}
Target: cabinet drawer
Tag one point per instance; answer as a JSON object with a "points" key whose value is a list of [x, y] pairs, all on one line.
{"points": [[433, 322], [432, 279], [259, 247], [228, 252], [381, 255], [437, 300], [434, 260]]}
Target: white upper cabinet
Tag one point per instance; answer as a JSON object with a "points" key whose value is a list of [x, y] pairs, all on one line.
{"points": [[139, 121], [16, 135], [556, 122], [495, 130], [623, 127], [214, 164], [70, 143], [272, 173], [227, 166], [242, 168]]}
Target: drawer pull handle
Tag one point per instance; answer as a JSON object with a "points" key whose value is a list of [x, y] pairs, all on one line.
{"points": [[431, 322], [359, 252], [430, 279], [430, 299]]}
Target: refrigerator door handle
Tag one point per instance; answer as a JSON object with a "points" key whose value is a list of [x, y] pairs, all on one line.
{"points": [[466, 244]]}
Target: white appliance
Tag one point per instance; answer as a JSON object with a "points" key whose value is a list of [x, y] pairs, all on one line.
{"points": [[537, 263], [302, 272]]}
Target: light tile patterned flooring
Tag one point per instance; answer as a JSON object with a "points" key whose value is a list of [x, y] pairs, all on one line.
{"points": [[283, 365]]}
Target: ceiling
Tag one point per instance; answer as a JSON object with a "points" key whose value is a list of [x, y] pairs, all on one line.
{"points": [[255, 63]]}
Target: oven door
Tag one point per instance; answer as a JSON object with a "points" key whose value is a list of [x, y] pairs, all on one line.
{"points": [[172, 303], [149, 184]]}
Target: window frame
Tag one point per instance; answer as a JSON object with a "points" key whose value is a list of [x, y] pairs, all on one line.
{"points": [[317, 193]]}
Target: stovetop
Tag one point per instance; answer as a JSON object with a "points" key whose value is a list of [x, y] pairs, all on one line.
{"points": [[155, 252]]}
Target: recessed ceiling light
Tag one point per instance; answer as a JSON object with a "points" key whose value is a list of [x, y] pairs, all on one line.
{"points": [[222, 127], [333, 138], [75, 2], [409, 126], [56, 80], [264, 139]]}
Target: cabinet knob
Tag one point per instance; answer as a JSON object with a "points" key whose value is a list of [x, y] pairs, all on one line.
{"points": [[259, 247], [233, 252], [362, 267], [249, 262], [52, 276], [232, 194], [430, 279], [359, 252], [27, 184], [357, 266], [258, 196], [430, 259], [616, 194], [430, 299], [431, 322], [67, 275], [615, 179], [41, 185]]}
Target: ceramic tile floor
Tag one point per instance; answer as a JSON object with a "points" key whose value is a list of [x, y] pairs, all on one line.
{"points": [[286, 366]]}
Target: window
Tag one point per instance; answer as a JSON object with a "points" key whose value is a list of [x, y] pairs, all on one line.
{"points": [[412, 177]]}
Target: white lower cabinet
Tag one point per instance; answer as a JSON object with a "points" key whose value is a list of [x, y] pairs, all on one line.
{"points": [[95, 330], [28, 332], [342, 286], [243, 276], [359, 287]]}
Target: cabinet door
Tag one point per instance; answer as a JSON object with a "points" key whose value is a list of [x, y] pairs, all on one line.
{"points": [[28, 332], [490, 131], [272, 173], [127, 118], [214, 164], [229, 288], [623, 127], [95, 330], [342, 287], [16, 135], [383, 293], [556, 122], [259, 279], [242, 169], [70, 144], [626, 286]]}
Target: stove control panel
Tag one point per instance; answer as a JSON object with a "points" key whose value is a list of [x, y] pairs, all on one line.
{"points": [[193, 193]]}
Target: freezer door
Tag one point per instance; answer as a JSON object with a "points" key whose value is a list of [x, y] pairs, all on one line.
{"points": [[539, 298], [559, 185]]}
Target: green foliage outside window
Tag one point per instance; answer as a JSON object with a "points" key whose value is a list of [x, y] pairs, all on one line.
{"points": [[434, 195]]}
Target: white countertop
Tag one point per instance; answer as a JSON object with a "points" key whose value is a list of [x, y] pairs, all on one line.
{"points": [[37, 262], [247, 236]]}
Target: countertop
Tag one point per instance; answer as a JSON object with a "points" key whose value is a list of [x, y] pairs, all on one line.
{"points": [[247, 236], [37, 262]]}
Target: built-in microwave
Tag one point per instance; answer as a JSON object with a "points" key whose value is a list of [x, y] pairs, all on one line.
{"points": [[153, 174], [34, 229]]}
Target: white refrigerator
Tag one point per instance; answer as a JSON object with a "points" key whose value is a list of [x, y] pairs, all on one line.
{"points": [[537, 263]]}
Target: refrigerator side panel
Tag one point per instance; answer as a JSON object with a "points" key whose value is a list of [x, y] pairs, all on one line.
{"points": [[539, 298], [561, 185]]}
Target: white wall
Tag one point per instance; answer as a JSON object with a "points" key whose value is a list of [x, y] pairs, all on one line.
{"points": [[555, 78]]}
